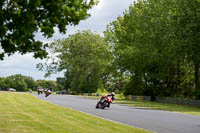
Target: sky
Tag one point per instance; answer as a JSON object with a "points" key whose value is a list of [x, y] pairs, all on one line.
{"points": [[101, 15]]}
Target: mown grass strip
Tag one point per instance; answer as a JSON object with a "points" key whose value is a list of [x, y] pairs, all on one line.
{"points": [[157, 106], [23, 113], [162, 106]]}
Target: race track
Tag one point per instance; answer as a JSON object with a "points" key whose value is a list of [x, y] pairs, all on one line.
{"points": [[154, 120]]}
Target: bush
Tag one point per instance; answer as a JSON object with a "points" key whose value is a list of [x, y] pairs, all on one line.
{"points": [[197, 94], [101, 90]]}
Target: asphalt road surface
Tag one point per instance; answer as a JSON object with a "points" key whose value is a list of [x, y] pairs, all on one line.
{"points": [[153, 120]]}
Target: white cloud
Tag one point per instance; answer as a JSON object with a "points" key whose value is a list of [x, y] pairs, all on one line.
{"points": [[101, 15]]}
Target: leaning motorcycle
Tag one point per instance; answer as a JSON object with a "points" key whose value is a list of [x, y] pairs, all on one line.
{"points": [[104, 102], [47, 93]]}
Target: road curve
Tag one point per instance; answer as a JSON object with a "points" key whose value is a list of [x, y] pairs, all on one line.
{"points": [[154, 120]]}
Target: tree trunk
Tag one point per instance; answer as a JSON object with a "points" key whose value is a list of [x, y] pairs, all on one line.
{"points": [[196, 76], [178, 85], [145, 80]]}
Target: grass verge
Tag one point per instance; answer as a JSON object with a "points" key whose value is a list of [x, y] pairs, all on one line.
{"points": [[23, 113], [157, 106], [162, 106]]}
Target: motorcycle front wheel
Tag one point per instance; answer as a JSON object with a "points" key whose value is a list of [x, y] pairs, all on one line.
{"points": [[98, 105]]}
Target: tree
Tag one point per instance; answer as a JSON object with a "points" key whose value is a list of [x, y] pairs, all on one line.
{"points": [[47, 84], [2, 83], [62, 84], [24, 83], [17, 82], [31, 84], [149, 43], [20, 85], [84, 56], [188, 32], [20, 20]]}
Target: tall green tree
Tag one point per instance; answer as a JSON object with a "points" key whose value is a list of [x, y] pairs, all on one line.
{"points": [[84, 57], [20, 20], [146, 41], [188, 32]]}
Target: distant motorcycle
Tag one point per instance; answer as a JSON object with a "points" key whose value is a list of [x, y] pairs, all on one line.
{"points": [[40, 91], [47, 93], [104, 102]]}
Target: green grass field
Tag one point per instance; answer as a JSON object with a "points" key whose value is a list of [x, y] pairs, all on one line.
{"points": [[162, 106], [23, 113], [156, 106]]}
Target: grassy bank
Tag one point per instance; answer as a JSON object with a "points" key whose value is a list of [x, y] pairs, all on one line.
{"points": [[162, 106], [156, 105], [23, 113]]}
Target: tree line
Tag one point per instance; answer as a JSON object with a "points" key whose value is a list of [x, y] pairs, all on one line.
{"points": [[26, 83], [153, 49]]}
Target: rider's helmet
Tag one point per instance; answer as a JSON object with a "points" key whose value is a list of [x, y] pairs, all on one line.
{"points": [[113, 93]]}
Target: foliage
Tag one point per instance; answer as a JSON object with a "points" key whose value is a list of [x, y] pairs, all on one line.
{"points": [[15, 81], [2, 83], [31, 84], [47, 84], [156, 43], [24, 83], [188, 31], [20, 20], [84, 56], [61, 83], [196, 93]]}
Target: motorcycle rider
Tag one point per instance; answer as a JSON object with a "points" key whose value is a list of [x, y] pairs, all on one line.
{"points": [[48, 92], [112, 95]]}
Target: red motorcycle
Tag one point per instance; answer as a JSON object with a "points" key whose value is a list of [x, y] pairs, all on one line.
{"points": [[104, 102]]}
